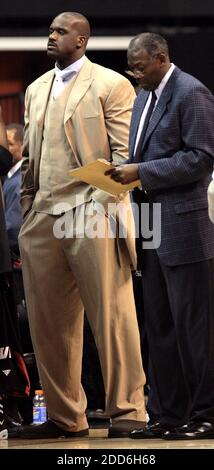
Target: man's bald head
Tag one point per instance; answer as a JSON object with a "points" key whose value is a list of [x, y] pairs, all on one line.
{"points": [[68, 37], [81, 22]]}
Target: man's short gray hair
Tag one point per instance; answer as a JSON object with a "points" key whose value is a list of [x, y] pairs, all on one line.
{"points": [[152, 43]]}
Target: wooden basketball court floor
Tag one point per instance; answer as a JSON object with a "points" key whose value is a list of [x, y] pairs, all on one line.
{"points": [[98, 440]]}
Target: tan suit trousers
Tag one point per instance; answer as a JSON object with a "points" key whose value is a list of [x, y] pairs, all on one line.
{"points": [[62, 278]]}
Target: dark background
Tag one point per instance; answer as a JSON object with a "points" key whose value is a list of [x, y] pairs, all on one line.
{"points": [[110, 17], [112, 8], [188, 25]]}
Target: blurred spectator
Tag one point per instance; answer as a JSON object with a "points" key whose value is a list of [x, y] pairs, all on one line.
{"points": [[11, 188], [14, 381]]}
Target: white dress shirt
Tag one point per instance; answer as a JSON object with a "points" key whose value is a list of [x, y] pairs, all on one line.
{"points": [[63, 77], [14, 169]]}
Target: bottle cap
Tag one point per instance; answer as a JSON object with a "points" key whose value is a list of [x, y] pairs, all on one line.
{"points": [[39, 392]]}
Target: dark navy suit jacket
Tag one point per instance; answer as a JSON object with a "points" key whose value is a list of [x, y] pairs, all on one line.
{"points": [[5, 165], [176, 166]]}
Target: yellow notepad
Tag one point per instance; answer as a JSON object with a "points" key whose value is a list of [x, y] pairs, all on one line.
{"points": [[94, 174]]}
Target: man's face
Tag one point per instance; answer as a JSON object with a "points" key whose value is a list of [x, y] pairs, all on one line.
{"points": [[64, 40], [15, 146], [147, 70]]}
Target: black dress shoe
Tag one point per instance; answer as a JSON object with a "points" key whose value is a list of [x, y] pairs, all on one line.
{"points": [[150, 431], [11, 422], [47, 430], [98, 419], [123, 427], [192, 430]]}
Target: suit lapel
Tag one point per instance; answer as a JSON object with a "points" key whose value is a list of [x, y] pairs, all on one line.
{"points": [[41, 105], [162, 105], [45, 87], [137, 113], [80, 87], [159, 110]]}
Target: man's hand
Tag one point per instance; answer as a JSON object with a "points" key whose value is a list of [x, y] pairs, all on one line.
{"points": [[124, 173]]}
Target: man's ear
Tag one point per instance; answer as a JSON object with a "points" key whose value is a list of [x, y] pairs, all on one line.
{"points": [[162, 58], [81, 40]]}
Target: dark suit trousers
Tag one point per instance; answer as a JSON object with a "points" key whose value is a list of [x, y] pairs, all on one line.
{"points": [[179, 322]]}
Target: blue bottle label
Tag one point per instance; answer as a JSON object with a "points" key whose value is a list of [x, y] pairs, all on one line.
{"points": [[43, 414], [36, 415]]}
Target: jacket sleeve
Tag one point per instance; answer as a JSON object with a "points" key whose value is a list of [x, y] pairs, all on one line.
{"points": [[194, 158], [117, 113], [27, 181]]}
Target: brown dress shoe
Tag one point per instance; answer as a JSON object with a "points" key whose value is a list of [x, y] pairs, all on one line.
{"points": [[123, 427], [47, 430]]}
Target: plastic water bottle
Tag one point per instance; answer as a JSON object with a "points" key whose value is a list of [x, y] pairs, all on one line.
{"points": [[39, 408]]}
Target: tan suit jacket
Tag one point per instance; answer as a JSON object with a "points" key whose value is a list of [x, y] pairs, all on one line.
{"points": [[96, 123]]}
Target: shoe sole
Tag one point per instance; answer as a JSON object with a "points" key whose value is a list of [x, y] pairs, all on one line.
{"points": [[114, 435], [152, 436], [66, 435], [188, 438]]}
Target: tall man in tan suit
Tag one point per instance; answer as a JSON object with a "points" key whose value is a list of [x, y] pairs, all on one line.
{"points": [[75, 114]]}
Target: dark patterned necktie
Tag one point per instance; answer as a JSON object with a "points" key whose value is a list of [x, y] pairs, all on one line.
{"points": [[137, 156]]}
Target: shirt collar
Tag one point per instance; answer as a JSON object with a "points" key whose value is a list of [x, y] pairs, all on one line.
{"points": [[164, 81], [14, 169], [69, 71]]}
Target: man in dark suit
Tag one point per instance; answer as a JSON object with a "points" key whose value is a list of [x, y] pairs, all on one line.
{"points": [[14, 381], [172, 154], [11, 187], [5, 165]]}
